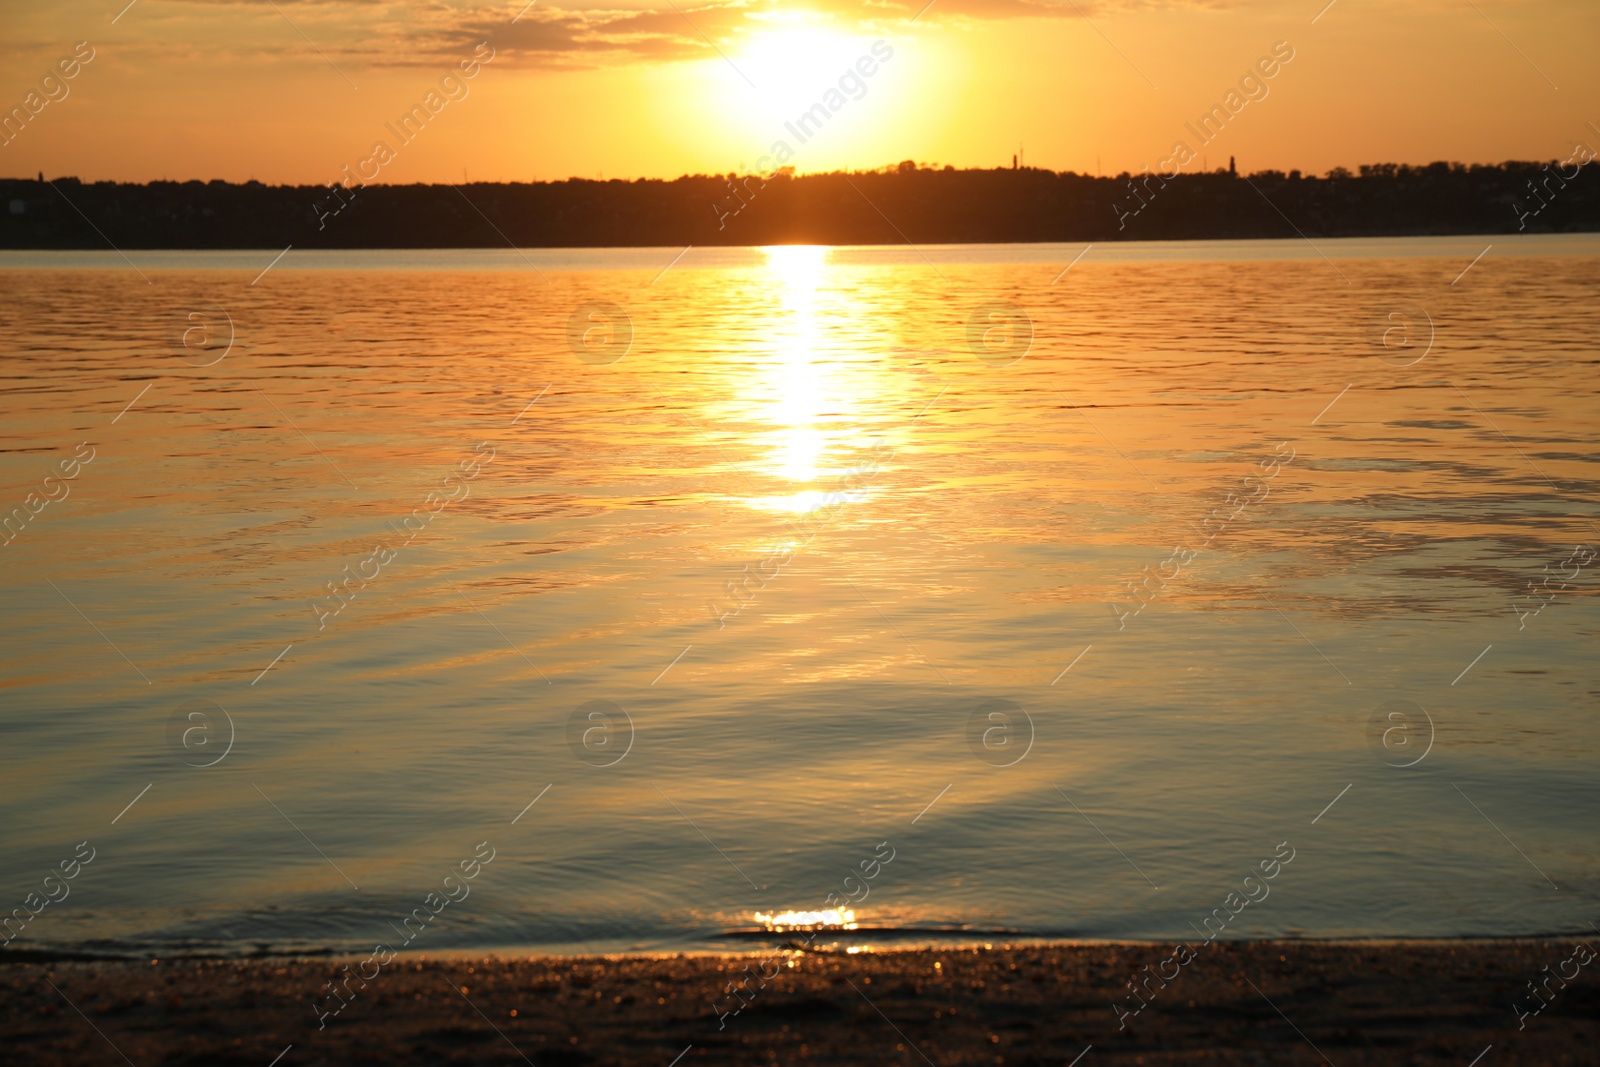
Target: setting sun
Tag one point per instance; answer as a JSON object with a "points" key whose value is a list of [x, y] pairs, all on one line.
{"points": [[795, 90]]}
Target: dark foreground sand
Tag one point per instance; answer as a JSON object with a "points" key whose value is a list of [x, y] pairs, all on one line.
{"points": [[1357, 1003]]}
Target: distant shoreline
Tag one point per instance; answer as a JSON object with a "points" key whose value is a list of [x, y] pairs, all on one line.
{"points": [[886, 207]]}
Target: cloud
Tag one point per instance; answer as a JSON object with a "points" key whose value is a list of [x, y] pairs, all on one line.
{"points": [[566, 37], [409, 33]]}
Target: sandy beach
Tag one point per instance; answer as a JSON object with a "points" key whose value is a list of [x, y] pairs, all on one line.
{"points": [[1263, 1002]]}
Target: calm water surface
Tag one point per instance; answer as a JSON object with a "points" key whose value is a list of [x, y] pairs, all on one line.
{"points": [[921, 532]]}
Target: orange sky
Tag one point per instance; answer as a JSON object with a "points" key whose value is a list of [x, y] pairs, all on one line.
{"points": [[295, 90]]}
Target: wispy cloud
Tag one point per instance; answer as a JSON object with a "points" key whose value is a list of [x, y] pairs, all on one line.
{"points": [[385, 33]]}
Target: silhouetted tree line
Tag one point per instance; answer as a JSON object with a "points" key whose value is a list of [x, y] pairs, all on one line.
{"points": [[886, 206]]}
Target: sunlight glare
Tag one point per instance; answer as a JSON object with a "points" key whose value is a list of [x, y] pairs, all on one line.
{"points": [[800, 443], [836, 918], [792, 58]]}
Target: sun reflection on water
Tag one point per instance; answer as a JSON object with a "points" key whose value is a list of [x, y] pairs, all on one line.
{"points": [[811, 412], [830, 918], [798, 383]]}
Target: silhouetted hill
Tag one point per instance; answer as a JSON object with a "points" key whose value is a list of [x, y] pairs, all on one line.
{"points": [[888, 206]]}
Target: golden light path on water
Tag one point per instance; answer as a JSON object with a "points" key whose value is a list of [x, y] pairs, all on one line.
{"points": [[815, 387], [800, 403], [808, 403], [831, 918]]}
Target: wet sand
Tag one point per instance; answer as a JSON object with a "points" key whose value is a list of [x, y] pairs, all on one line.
{"points": [[1296, 1002]]}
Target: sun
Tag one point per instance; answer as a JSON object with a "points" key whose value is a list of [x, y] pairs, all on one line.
{"points": [[814, 92], [792, 58], [794, 53]]}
